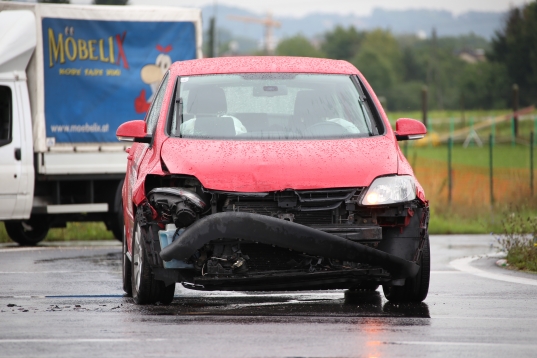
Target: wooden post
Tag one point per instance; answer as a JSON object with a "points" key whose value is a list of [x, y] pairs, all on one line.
{"points": [[424, 105], [515, 110]]}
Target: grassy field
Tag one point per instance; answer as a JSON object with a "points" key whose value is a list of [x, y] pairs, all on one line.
{"points": [[504, 156], [440, 122], [73, 231]]}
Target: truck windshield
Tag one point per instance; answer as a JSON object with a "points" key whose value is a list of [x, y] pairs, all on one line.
{"points": [[270, 106]]}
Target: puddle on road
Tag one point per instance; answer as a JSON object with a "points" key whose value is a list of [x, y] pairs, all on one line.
{"points": [[112, 259], [355, 304], [309, 304]]}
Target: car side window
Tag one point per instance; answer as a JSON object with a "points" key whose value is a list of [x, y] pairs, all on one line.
{"points": [[6, 120], [156, 105]]}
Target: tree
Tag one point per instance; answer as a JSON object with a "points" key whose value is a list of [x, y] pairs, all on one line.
{"points": [[485, 85], [297, 46], [380, 60], [515, 46], [110, 2], [341, 43]]}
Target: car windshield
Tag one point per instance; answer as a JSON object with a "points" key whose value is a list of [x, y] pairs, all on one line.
{"points": [[270, 106]]}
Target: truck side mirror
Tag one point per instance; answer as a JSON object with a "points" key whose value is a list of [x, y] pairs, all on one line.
{"points": [[133, 131], [409, 129]]}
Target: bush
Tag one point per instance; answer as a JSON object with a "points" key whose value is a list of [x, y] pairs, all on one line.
{"points": [[519, 240]]}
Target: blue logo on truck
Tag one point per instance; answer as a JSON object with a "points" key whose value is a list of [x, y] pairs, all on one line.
{"points": [[99, 74]]}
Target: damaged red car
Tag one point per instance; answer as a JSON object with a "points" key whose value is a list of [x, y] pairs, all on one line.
{"points": [[271, 173]]}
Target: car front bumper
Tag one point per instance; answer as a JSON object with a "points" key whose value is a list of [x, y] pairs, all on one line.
{"points": [[285, 234]]}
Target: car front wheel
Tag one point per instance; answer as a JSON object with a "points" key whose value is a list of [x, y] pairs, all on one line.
{"points": [[127, 268], [415, 289], [145, 289]]}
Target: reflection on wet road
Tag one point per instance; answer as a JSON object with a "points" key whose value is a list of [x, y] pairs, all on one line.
{"points": [[67, 301]]}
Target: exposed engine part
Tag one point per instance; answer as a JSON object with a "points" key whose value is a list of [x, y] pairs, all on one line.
{"points": [[226, 259], [177, 205]]}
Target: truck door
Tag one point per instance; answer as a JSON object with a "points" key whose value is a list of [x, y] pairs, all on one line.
{"points": [[10, 154]]}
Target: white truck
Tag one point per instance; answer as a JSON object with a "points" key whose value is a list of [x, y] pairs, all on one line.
{"points": [[69, 76]]}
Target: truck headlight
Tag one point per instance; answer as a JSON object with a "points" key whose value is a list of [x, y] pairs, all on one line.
{"points": [[389, 190]]}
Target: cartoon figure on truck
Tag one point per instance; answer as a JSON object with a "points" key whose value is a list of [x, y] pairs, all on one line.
{"points": [[69, 75]]}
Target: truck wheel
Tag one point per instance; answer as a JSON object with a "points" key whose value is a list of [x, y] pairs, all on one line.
{"points": [[415, 289], [127, 268], [144, 288], [28, 232], [115, 217]]}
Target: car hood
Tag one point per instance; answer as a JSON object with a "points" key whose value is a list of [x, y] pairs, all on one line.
{"points": [[262, 166]]}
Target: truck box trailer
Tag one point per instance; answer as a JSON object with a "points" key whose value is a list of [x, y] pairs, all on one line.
{"points": [[69, 76]]}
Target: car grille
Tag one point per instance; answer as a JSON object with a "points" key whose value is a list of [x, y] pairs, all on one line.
{"points": [[308, 207]]}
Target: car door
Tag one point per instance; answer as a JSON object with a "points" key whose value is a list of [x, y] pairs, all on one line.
{"points": [[136, 156], [10, 153]]}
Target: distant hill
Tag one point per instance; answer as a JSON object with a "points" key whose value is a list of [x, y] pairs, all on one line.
{"points": [[398, 21]]}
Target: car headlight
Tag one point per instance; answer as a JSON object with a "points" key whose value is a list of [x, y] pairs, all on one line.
{"points": [[389, 190]]}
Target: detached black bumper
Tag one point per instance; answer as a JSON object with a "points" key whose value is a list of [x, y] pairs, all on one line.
{"points": [[285, 234]]}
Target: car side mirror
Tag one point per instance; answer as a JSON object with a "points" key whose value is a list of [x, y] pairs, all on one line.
{"points": [[133, 131], [409, 129]]}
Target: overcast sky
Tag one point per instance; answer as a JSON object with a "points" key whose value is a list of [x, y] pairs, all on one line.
{"points": [[358, 7]]}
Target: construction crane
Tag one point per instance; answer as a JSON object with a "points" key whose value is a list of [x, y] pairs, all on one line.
{"points": [[269, 24]]}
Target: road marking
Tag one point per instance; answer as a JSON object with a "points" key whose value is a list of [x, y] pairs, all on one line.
{"points": [[80, 340], [472, 344], [48, 272], [463, 265]]}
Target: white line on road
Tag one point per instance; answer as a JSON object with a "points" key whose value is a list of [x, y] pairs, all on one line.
{"points": [[463, 264], [472, 344], [79, 340], [47, 272]]}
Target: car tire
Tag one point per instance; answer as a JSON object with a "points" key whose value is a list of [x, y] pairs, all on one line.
{"points": [[28, 232], [145, 289], [126, 268], [415, 289]]}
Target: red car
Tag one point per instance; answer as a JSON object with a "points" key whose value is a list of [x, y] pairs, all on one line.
{"points": [[271, 173]]}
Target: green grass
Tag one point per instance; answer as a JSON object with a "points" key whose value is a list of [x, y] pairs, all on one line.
{"points": [[73, 231], [440, 122], [504, 156], [523, 258]]}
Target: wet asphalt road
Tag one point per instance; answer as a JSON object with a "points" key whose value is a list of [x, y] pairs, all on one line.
{"points": [[66, 301]]}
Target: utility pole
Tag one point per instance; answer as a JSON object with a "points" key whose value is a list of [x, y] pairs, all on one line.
{"points": [[212, 37], [269, 24]]}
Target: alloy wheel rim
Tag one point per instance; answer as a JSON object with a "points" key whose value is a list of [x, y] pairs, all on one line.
{"points": [[137, 258]]}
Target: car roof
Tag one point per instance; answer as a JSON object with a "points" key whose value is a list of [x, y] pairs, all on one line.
{"points": [[261, 64]]}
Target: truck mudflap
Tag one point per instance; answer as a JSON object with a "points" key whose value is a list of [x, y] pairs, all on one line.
{"points": [[273, 231]]}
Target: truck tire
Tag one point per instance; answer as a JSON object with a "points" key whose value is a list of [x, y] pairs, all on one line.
{"points": [[28, 232], [145, 289], [415, 289], [115, 217], [126, 268]]}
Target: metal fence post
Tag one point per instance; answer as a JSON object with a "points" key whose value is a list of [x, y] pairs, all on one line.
{"points": [[450, 178], [493, 130], [531, 163], [491, 171]]}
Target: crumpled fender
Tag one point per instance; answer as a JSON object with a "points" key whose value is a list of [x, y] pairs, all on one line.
{"points": [[286, 234]]}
